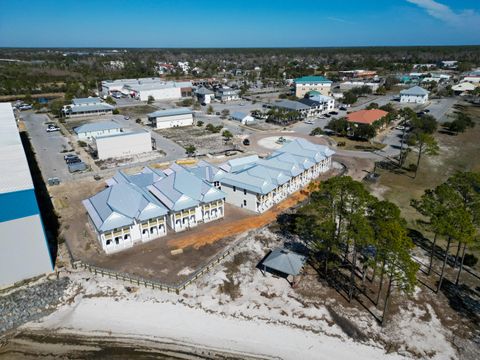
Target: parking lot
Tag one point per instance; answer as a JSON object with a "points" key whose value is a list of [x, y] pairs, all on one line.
{"points": [[49, 147]]}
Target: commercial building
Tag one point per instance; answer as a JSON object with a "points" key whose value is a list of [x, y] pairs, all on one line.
{"points": [[87, 107], [415, 95], [165, 119], [227, 94], [244, 118], [143, 88], [123, 144], [463, 88], [355, 74], [308, 83], [24, 251], [291, 105], [101, 128]]}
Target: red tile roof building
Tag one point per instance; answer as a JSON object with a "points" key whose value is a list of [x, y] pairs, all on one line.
{"points": [[366, 116]]}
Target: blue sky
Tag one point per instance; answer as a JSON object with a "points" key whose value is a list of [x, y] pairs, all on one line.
{"points": [[241, 23]]}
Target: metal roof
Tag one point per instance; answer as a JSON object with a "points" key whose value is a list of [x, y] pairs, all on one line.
{"points": [[207, 171], [290, 105], [312, 79], [238, 115], [285, 261], [203, 91], [97, 126], [123, 134], [94, 107], [14, 170], [170, 112], [85, 101], [181, 189], [414, 91], [120, 204]]}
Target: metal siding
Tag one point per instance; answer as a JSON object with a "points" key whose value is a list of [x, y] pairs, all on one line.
{"points": [[23, 250], [17, 205]]}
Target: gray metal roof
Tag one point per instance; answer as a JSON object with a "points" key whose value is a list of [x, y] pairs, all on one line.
{"points": [[414, 91], [285, 261], [238, 115], [97, 126], [85, 101], [264, 175], [120, 204], [90, 108], [14, 170], [290, 105], [202, 90], [170, 112], [207, 171], [180, 189]]}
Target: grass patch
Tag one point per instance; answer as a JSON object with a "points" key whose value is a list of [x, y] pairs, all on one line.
{"points": [[357, 145]]}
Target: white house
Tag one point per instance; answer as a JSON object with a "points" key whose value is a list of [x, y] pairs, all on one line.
{"points": [[244, 118], [165, 119], [144, 87], [204, 95], [123, 144], [415, 95], [227, 94], [100, 128]]}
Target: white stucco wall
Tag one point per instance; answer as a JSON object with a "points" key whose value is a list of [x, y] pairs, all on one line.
{"points": [[414, 99], [167, 122], [238, 197], [123, 145]]}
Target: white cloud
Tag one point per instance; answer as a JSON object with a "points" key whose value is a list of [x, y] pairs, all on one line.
{"points": [[464, 18]]}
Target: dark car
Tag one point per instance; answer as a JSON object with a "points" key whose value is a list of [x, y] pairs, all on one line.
{"points": [[333, 113], [327, 115], [246, 142], [343, 108], [73, 160], [70, 156]]}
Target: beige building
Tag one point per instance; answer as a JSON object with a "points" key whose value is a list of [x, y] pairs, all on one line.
{"points": [[312, 83]]}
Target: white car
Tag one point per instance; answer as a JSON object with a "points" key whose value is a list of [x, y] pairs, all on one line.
{"points": [[310, 122], [53, 128], [400, 127]]}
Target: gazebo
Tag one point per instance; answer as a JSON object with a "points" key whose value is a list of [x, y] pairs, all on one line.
{"points": [[285, 263]]}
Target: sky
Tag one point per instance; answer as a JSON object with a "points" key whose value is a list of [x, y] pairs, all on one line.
{"points": [[238, 23]]}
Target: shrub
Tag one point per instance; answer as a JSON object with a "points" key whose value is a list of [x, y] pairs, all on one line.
{"points": [[317, 131], [115, 112], [470, 260], [199, 123], [138, 121], [82, 143], [412, 167]]}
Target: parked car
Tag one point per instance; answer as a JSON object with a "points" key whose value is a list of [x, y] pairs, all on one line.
{"points": [[76, 167], [52, 128], [70, 156], [310, 122], [73, 160], [333, 112], [25, 107], [126, 117], [400, 127], [327, 115], [246, 142], [343, 108]]}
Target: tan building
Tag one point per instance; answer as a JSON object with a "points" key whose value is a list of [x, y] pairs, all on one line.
{"points": [[312, 83]]}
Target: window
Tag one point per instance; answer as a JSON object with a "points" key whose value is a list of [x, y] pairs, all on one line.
{"points": [[109, 242], [234, 188], [244, 202], [244, 192]]}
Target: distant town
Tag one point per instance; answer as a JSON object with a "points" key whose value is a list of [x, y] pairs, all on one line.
{"points": [[320, 200]]}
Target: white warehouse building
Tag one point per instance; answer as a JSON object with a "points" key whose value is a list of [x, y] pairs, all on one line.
{"points": [[123, 144], [24, 251], [169, 118], [416, 94], [142, 89]]}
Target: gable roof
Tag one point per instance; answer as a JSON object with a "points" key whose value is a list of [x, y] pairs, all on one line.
{"points": [[202, 90], [85, 101], [97, 126], [285, 261], [366, 116], [414, 91]]}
